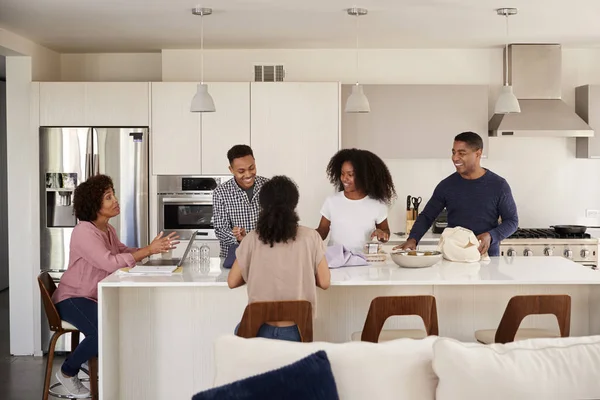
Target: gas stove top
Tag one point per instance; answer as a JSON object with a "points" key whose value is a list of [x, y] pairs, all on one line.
{"points": [[544, 233], [581, 248]]}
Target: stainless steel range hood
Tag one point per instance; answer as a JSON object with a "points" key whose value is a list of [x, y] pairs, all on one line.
{"points": [[535, 73]]}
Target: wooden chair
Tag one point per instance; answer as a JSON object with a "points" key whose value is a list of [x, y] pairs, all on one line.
{"points": [[384, 307], [521, 306], [59, 327], [256, 314]]}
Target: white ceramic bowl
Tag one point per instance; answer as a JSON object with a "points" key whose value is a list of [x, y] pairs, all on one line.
{"points": [[416, 258]]}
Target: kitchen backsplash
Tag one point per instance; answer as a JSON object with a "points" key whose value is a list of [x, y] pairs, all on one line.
{"points": [[549, 184]]}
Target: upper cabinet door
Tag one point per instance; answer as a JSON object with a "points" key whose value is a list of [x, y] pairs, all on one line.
{"points": [[62, 104], [416, 121], [117, 104], [227, 126], [175, 133], [94, 104], [294, 132]]}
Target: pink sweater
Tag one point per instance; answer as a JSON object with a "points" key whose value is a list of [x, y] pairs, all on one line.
{"points": [[92, 257]]}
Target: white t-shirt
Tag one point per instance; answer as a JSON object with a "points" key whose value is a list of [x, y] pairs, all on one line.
{"points": [[352, 221]]}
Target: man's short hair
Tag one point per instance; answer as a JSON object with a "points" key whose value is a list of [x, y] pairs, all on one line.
{"points": [[239, 151], [473, 140]]}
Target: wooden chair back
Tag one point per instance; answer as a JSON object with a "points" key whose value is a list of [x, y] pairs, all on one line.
{"points": [[384, 307], [256, 314], [521, 306]]}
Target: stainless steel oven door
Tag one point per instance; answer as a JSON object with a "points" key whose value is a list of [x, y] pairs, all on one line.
{"points": [[185, 214]]}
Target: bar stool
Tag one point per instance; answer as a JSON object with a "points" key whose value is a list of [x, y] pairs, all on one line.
{"points": [[382, 308], [59, 327], [256, 314], [521, 306]]}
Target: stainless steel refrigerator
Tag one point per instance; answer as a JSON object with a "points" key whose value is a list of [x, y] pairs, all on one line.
{"points": [[68, 157]]}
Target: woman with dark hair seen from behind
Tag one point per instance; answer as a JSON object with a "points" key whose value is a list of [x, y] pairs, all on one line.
{"points": [[358, 212], [280, 260], [95, 252]]}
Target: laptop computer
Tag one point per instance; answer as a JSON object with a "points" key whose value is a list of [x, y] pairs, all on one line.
{"points": [[169, 265]]}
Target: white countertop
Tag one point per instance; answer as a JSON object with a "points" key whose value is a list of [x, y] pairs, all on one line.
{"points": [[497, 271]]}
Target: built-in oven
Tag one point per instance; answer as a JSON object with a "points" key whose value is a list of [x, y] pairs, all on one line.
{"points": [[185, 204]]}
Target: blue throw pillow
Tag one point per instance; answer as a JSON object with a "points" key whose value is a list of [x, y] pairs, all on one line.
{"points": [[308, 378]]}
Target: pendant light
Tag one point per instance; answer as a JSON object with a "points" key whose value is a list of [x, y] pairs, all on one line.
{"points": [[357, 101], [507, 101], [202, 101]]}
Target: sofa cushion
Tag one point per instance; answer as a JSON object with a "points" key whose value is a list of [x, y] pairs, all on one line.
{"points": [[308, 378], [563, 368], [399, 369]]}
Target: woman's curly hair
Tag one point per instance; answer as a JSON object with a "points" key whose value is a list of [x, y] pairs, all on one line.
{"points": [[371, 175], [87, 199], [278, 220]]}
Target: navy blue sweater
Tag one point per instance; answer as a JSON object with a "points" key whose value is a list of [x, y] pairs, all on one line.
{"points": [[474, 204]]}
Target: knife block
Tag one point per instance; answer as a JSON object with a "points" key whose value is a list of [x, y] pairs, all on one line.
{"points": [[411, 217]]}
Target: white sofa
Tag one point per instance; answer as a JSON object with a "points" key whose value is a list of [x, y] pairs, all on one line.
{"points": [[431, 368]]}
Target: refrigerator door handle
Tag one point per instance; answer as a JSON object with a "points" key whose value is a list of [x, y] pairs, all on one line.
{"points": [[89, 168], [96, 164], [138, 177]]}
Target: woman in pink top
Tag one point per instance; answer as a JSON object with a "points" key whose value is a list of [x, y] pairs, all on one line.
{"points": [[280, 260], [95, 253]]}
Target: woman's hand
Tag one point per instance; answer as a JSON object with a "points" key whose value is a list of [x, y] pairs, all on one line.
{"points": [[162, 244], [380, 235]]}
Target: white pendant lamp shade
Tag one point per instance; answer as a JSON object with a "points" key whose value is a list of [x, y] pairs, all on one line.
{"points": [[507, 102], [202, 101], [357, 101]]}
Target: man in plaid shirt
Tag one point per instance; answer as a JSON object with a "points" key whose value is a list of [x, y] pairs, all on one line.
{"points": [[235, 202]]}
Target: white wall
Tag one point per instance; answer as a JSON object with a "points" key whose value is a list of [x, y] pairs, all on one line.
{"points": [[45, 62], [549, 184], [23, 205], [111, 67]]}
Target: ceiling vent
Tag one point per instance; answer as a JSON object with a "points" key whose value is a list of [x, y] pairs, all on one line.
{"points": [[269, 73]]}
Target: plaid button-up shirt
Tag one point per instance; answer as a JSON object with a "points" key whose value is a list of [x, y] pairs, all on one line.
{"points": [[232, 208]]}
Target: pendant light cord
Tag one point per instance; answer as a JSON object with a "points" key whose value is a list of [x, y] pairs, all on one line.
{"points": [[202, 49], [356, 28], [506, 53]]}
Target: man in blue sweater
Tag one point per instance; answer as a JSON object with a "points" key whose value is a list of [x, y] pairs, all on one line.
{"points": [[474, 197]]}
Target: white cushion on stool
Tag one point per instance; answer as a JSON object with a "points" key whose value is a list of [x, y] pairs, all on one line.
{"points": [[488, 336], [66, 325], [393, 334]]}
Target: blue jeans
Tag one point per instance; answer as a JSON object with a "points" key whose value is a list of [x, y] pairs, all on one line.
{"points": [[289, 333], [83, 314]]}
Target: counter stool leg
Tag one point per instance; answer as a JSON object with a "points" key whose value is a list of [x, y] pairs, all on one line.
{"points": [[49, 362], [93, 363]]}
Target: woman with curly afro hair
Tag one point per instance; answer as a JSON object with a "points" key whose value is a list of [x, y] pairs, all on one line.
{"points": [[358, 212], [95, 252], [280, 260]]}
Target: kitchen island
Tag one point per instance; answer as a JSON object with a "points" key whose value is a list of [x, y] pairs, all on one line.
{"points": [[157, 332]]}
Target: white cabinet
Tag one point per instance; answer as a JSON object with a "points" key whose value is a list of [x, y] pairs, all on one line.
{"points": [[62, 104], [94, 104], [294, 132], [226, 127], [175, 131], [117, 104], [186, 143]]}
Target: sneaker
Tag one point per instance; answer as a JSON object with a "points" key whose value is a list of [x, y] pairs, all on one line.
{"points": [[85, 366], [73, 386]]}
